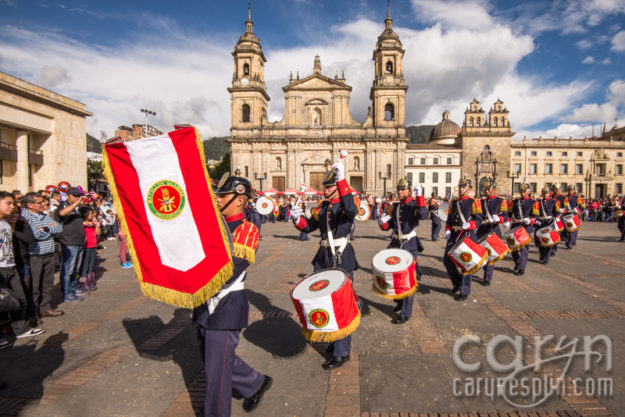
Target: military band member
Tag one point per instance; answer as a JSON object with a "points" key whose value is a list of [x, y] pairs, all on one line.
{"points": [[494, 212], [547, 209], [465, 216], [219, 321], [571, 205], [620, 218], [334, 219], [403, 220], [522, 214], [555, 194], [436, 221]]}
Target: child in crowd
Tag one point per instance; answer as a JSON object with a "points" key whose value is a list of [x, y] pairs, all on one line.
{"points": [[87, 267]]}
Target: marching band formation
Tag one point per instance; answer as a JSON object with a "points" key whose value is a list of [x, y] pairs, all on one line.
{"points": [[479, 232]]}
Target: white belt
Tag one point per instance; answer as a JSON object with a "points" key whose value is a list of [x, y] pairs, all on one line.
{"points": [[237, 285], [340, 243], [406, 237]]}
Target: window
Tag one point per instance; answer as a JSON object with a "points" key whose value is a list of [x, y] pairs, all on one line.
{"points": [[470, 121], [564, 169], [389, 112], [435, 161], [619, 154], [549, 153], [246, 69], [389, 67], [477, 122], [565, 153], [600, 169], [422, 161], [548, 168], [279, 163], [579, 169], [435, 190], [494, 121], [450, 161], [532, 168], [563, 186], [388, 170], [245, 113], [448, 177], [435, 177], [517, 153], [533, 187], [517, 187], [421, 177], [410, 161], [533, 153], [619, 169], [548, 185], [517, 168], [447, 191], [247, 171], [579, 154], [578, 187], [409, 176], [618, 188]]}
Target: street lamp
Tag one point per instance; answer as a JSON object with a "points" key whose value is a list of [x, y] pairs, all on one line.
{"points": [[512, 176], [147, 112], [388, 176], [260, 179]]}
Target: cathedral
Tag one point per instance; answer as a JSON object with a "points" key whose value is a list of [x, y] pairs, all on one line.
{"points": [[317, 125]]}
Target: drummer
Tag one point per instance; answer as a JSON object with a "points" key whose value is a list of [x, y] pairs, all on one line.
{"points": [[571, 205], [436, 221], [621, 219], [403, 220], [334, 219], [522, 214], [465, 216], [546, 209], [494, 212]]}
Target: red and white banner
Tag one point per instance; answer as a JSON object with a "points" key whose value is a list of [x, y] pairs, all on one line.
{"points": [[177, 240]]}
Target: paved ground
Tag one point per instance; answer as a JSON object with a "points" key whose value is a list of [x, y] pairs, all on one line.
{"points": [[121, 354]]}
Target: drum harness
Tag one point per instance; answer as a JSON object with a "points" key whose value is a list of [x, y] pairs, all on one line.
{"points": [[487, 209], [520, 213], [403, 238], [332, 243], [236, 285], [543, 213]]}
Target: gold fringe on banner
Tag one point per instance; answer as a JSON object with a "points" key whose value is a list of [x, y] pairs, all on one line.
{"points": [[478, 266], [396, 296], [499, 258], [168, 295], [324, 337]]}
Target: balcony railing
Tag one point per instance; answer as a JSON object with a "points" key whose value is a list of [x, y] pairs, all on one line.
{"points": [[8, 152], [35, 157]]}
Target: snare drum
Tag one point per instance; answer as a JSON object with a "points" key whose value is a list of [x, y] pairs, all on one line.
{"points": [[468, 255], [547, 236], [364, 212], [559, 224], [517, 238], [393, 273], [325, 304], [495, 247], [571, 222], [264, 206]]}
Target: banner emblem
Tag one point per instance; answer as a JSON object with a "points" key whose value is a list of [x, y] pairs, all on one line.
{"points": [[166, 199]]}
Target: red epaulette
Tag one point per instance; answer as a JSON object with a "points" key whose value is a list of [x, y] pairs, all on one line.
{"points": [[245, 240]]}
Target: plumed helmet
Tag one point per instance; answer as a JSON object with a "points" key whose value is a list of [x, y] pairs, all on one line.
{"points": [[545, 190], [234, 185], [330, 179], [489, 183], [403, 184], [571, 187], [523, 187], [464, 182], [555, 187]]}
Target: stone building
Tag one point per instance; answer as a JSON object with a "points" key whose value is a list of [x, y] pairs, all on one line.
{"points": [[317, 123], [42, 137], [137, 131]]}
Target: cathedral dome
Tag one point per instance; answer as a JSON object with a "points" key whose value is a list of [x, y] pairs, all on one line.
{"points": [[445, 132]]}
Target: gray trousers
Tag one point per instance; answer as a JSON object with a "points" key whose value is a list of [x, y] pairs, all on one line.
{"points": [[224, 371], [42, 273], [10, 279]]}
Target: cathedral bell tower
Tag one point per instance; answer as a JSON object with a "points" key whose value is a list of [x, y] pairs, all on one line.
{"points": [[248, 95], [388, 93]]}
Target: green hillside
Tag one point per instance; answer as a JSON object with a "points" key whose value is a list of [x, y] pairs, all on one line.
{"points": [[419, 134], [93, 145], [216, 147]]}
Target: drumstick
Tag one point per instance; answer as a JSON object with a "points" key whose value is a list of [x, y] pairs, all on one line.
{"points": [[303, 188]]}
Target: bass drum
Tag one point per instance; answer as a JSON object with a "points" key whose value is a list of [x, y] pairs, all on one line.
{"points": [[443, 211], [264, 206]]}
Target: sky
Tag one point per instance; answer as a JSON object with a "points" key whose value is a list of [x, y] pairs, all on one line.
{"points": [[559, 66]]}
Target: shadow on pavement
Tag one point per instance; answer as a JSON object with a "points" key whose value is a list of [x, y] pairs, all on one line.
{"points": [[26, 367], [383, 308], [277, 333], [289, 237]]}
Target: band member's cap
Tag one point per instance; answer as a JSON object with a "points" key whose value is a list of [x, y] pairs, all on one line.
{"points": [[489, 183], [545, 190], [523, 187], [403, 184], [555, 187], [330, 179], [464, 182], [234, 185], [571, 187]]}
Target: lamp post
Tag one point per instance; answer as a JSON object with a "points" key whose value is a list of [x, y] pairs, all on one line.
{"points": [[260, 179], [388, 176], [512, 176], [147, 112]]}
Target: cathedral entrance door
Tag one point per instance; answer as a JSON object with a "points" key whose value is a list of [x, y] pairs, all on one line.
{"points": [[316, 180], [356, 183], [278, 183]]}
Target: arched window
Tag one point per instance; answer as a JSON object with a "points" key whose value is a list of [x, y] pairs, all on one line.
{"points": [[317, 117], [278, 163], [389, 67], [477, 121], [474, 108], [389, 112], [356, 163], [495, 121], [246, 69], [245, 113], [470, 121]]}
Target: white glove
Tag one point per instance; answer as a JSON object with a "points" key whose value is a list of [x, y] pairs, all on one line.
{"points": [[339, 169], [538, 223], [296, 213], [576, 210], [382, 220], [506, 224], [418, 190], [447, 234], [465, 226], [526, 221]]}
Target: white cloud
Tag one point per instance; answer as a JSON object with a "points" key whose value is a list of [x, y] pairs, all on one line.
{"points": [[588, 60], [584, 44], [616, 92], [593, 113], [618, 42], [606, 61], [454, 14], [53, 75]]}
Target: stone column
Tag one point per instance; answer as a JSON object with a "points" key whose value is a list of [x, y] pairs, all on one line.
{"points": [[22, 161]]}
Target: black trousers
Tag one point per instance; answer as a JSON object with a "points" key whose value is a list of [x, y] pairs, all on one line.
{"points": [[42, 272], [9, 278]]}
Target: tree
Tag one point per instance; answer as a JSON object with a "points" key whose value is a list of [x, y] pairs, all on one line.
{"points": [[95, 173], [224, 166]]}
